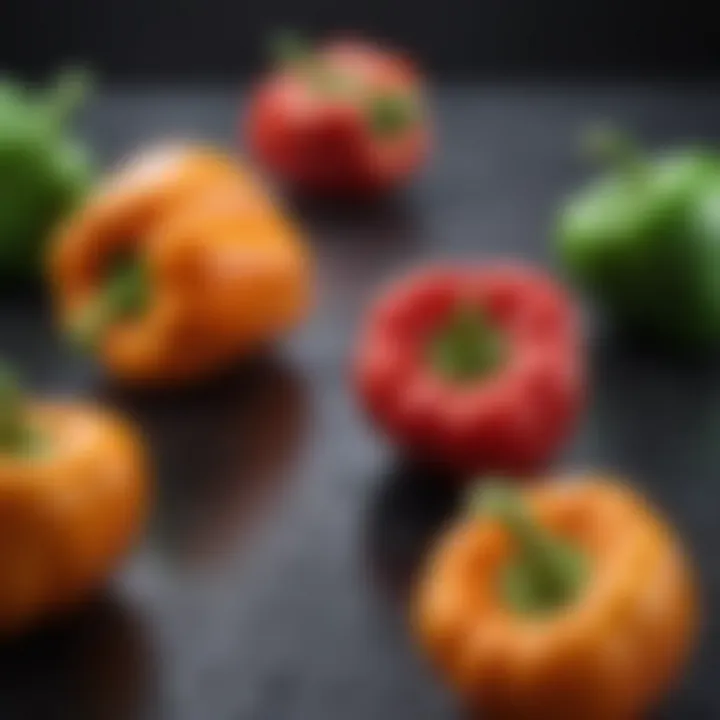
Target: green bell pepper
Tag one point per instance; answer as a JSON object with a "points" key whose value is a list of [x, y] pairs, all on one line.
{"points": [[43, 171], [644, 240]]}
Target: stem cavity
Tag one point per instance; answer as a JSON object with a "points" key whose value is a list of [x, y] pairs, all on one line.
{"points": [[390, 114], [467, 347], [547, 572], [123, 294]]}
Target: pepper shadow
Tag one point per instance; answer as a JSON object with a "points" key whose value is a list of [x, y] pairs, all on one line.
{"points": [[383, 228], [373, 208], [359, 245], [97, 663], [222, 451], [409, 508]]}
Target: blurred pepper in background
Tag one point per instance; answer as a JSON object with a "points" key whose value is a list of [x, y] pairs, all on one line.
{"points": [[347, 118], [43, 171], [644, 240], [478, 368], [176, 266], [73, 497], [566, 601]]}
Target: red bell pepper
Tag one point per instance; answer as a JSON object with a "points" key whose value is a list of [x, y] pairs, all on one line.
{"points": [[346, 118], [480, 368]]}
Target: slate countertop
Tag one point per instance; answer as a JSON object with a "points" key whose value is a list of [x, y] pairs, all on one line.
{"points": [[273, 580]]}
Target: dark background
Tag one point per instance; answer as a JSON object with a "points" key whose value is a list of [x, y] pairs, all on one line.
{"points": [[221, 39], [273, 580]]}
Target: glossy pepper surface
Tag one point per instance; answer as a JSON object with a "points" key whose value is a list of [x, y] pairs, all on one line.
{"points": [[564, 601], [44, 171], [644, 240], [480, 368], [178, 265], [346, 118], [73, 497]]}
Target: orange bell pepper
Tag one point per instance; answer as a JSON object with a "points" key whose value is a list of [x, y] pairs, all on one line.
{"points": [[178, 265], [73, 497], [559, 602]]}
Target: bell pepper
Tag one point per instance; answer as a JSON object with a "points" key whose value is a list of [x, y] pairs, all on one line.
{"points": [[346, 118], [177, 266], [644, 240], [44, 172], [558, 602], [73, 498], [479, 368]]}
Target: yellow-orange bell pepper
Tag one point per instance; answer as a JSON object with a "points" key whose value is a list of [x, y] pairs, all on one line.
{"points": [[73, 497], [176, 266], [561, 602]]}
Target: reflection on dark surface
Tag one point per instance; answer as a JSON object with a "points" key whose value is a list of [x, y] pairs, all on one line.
{"points": [[97, 661], [360, 243], [221, 451], [356, 214], [410, 506]]}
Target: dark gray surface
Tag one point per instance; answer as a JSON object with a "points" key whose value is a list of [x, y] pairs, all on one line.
{"points": [[214, 39], [272, 583]]}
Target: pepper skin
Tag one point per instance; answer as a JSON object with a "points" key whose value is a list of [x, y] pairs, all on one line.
{"points": [[479, 368], [564, 601], [73, 498], [179, 265], [345, 119], [644, 241]]}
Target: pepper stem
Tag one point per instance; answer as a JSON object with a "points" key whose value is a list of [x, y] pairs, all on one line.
{"points": [[71, 88], [607, 145], [467, 347], [17, 436], [12, 409], [548, 572], [124, 293], [390, 114], [289, 47]]}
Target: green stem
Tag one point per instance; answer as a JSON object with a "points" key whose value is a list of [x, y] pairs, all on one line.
{"points": [[547, 572], [70, 90], [609, 146], [289, 48], [124, 293], [390, 114], [12, 408], [467, 347], [17, 436]]}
